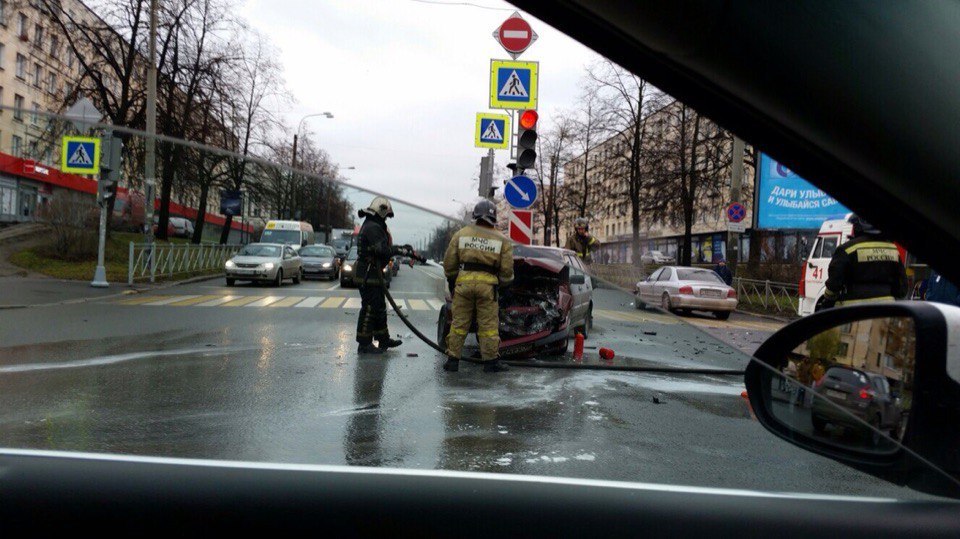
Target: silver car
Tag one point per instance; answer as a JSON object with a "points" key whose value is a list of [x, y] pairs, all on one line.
{"points": [[655, 257], [265, 262], [684, 289]]}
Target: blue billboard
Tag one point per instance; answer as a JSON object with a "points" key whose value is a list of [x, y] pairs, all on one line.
{"points": [[785, 200]]}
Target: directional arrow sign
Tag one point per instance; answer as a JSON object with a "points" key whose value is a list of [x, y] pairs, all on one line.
{"points": [[520, 192]]}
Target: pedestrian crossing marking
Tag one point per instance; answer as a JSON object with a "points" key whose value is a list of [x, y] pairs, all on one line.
{"points": [[242, 300], [192, 301], [263, 302], [309, 303], [352, 303], [418, 305], [399, 303], [169, 300], [141, 299], [288, 301], [436, 304], [217, 302], [331, 303]]}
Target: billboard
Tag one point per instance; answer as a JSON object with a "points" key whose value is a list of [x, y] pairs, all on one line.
{"points": [[231, 202], [785, 200]]}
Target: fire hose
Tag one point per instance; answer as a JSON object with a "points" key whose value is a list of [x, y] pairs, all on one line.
{"points": [[550, 365]]}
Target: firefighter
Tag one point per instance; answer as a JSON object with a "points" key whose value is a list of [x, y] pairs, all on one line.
{"points": [[581, 242], [865, 268], [477, 262], [374, 250]]}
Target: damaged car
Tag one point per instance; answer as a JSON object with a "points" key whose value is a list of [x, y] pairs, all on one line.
{"points": [[550, 300]]}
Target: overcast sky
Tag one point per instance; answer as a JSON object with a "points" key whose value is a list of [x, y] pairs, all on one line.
{"points": [[404, 80]]}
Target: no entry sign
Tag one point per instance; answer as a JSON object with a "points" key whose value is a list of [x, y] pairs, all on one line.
{"points": [[515, 35]]}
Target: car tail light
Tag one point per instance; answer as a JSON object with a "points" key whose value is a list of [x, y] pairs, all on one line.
{"points": [[688, 290], [732, 293], [865, 393]]}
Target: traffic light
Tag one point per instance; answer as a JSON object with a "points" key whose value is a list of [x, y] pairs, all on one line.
{"points": [[110, 168], [527, 140]]}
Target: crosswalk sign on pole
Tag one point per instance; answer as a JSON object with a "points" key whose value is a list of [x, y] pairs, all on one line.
{"points": [[492, 131], [513, 85], [80, 155]]}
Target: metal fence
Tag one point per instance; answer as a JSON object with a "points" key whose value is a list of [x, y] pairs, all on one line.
{"points": [[147, 262], [770, 295]]}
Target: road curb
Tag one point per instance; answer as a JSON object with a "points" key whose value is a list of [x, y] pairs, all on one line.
{"points": [[127, 292], [766, 316]]}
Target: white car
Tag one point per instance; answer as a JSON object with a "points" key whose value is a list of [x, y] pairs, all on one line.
{"points": [[264, 262], [655, 257]]}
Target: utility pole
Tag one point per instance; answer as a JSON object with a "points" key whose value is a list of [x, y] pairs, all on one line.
{"points": [[149, 158], [736, 178]]}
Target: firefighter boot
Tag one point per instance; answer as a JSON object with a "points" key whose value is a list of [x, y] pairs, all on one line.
{"points": [[495, 366]]}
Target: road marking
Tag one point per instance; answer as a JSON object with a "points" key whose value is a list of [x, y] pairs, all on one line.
{"points": [[399, 303], [243, 300], [288, 301], [169, 300], [264, 301], [336, 286], [310, 303], [332, 303], [429, 274], [436, 304], [352, 303], [142, 299], [419, 305], [220, 301], [192, 301]]}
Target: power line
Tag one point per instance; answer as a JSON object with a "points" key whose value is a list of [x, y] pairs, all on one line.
{"points": [[463, 4]]}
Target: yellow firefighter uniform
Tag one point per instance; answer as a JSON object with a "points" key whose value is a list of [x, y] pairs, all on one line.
{"points": [[480, 259]]}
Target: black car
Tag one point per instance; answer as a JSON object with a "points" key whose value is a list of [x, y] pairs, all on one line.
{"points": [[865, 395], [349, 267], [320, 261]]}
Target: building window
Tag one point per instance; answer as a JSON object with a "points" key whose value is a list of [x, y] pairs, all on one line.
{"points": [[21, 66], [48, 156], [32, 149], [35, 117], [18, 107], [70, 61], [16, 144], [37, 74], [67, 88], [3, 12], [2, 50], [38, 36], [54, 46], [52, 82], [842, 349], [22, 27]]}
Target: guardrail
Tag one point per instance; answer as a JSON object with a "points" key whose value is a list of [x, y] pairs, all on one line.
{"points": [[770, 295], [149, 261]]}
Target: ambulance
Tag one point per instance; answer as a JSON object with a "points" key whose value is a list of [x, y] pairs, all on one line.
{"points": [[296, 234], [833, 233]]}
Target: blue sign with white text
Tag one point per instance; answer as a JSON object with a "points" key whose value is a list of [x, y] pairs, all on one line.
{"points": [[520, 192], [785, 200]]}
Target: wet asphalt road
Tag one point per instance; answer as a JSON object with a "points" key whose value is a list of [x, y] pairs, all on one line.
{"points": [[263, 374]]}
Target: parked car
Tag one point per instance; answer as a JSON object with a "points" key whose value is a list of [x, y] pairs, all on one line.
{"points": [[678, 288], [182, 227], [395, 266], [551, 299], [865, 395], [656, 257], [320, 261], [264, 262], [349, 268]]}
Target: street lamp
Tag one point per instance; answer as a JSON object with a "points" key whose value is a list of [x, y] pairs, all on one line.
{"points": [[328, 115]]}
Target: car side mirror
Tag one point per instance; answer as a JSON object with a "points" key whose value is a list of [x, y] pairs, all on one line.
{"points": [[578, 279], [811, 384]]}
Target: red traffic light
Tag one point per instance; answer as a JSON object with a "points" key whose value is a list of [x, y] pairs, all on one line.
{"points": [[528, 120]]}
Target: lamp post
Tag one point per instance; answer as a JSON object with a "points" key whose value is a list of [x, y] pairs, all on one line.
{"points": [[329, 222], [296, 135]]}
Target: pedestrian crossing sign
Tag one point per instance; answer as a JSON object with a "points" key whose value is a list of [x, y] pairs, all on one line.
{"points": [[513, 85], [80, 155], [492, 131]]}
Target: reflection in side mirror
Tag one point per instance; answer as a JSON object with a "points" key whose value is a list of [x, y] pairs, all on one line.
{"points": [[577, 279], [838, 385]]}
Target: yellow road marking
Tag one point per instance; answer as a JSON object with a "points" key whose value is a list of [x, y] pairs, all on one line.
{"points": [[418, 305], [143, 299], [288, 301], [243, 300], [331, 303], [219, 301], [352, 303], [264, 301], [192, 301]]}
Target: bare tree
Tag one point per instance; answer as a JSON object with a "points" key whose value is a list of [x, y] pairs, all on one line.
{"points": [[588, 129], [553, 149]]}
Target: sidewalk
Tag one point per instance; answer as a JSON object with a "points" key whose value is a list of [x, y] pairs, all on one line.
{"points": [[25, 291]]}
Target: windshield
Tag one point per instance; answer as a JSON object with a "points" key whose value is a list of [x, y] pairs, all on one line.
{"points": [[688, 274], [282, 362], [281, 236], [318, 251], [259, 250]]}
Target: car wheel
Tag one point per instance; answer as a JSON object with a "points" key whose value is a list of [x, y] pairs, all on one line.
{"points": [[231, 282], [875, 435], [722, 315], [442, 327], [560, 348], [666, 304], [278, 282], [819, 425], [297, 277], [590, 317]]}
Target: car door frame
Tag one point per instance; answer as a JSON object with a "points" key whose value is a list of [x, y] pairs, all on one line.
{"points": [[578, 309], [648, 289]]}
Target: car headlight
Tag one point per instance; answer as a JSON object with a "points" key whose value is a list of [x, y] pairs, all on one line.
{"points": [[326, 264], [230, 264], [268, 265], [347, 267]]}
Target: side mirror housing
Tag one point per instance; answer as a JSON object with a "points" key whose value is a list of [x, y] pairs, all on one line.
{"points": [[811, 385]]}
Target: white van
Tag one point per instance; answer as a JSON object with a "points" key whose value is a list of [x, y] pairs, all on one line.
{"points": [[832, 233], [293, 233]]}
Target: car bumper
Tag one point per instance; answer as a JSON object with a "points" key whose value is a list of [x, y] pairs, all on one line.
{"points": [[837, 413], [704, 304], [251, 274], [319, 272]]}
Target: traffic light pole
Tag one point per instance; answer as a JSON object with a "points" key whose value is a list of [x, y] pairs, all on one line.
{"points": [[100, 275]]}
